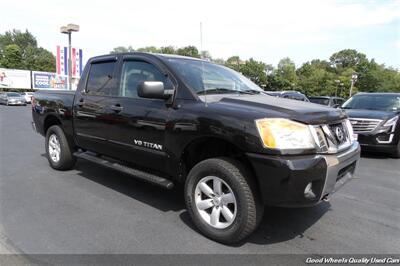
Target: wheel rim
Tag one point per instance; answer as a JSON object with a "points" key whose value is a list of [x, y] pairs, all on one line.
{"points": [[215, 202], [54, 148]]}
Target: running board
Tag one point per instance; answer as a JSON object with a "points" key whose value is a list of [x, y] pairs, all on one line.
{"points": [[157, 180]]}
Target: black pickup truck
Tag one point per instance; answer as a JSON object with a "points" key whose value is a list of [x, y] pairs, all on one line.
{"points": [[171, 119]]}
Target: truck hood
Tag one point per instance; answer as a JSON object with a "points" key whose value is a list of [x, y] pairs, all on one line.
{"points": [[371, 114], [269, 106]]}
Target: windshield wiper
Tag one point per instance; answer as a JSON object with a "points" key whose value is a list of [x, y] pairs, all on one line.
{"points": [[222, 90], [253, 91]]}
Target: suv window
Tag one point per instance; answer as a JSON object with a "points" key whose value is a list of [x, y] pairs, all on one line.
{"points": [[339, 101], [100, 76], [135, 72]]}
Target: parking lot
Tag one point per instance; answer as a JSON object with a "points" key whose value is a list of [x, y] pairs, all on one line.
{"points": [[91, 210]]}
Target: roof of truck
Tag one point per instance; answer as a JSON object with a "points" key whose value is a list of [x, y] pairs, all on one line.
{"points": [[161, 56]]}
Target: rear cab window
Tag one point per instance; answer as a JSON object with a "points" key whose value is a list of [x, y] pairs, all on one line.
{"points": [[100, 79]]}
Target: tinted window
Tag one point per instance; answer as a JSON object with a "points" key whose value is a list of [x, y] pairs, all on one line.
{"points": [[374, 102], [135, 72], [322, 101], [296, 96], [99, 80], [13, 94], [339, 101]]}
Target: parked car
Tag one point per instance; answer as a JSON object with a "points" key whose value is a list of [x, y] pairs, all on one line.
{"points": [[375, 118], [327, 100], [27, 96], [12, 98], [169, 119], [294, 95]]}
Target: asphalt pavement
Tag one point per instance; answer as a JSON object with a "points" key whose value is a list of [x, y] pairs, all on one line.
{"points": [[92, 210]]}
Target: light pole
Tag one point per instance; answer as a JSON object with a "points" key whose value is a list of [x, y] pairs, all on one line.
{"points": [[353, 80], [68, 30], [337, 86]]}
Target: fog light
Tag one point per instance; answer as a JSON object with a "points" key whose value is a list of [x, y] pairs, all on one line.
{"points": [[308, 192]]}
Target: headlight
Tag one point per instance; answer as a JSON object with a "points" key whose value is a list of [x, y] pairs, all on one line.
{"points": [[349, 127], [284, 134], [391, 123]]}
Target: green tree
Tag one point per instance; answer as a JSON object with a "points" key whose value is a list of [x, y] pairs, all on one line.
{"points": [[168, 50], [390, 80], [41, 60], [189, 51], [219, 61], [11, 57], [24, 40], [255, 70], [122, 49], [149, 49], [347, 58], [19, 50], [234, 62], [285, 77], [314, 79]]}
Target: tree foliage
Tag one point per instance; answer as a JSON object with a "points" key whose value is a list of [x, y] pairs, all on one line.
{"points": [[19, 50], [255, 71], [316, 77]]}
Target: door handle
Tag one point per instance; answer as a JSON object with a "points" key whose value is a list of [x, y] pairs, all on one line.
{"points": [[81, 102], [117, 108]]}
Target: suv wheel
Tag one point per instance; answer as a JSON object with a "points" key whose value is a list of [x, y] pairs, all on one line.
{"points": [[222, 200], [58, 151]]}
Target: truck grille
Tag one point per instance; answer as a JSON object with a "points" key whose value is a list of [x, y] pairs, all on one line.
{"points": [[363, 125], [339, 133], [332, 138]]}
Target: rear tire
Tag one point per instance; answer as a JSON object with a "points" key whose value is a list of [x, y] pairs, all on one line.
{"points": [[58, 151], [222, 200]]}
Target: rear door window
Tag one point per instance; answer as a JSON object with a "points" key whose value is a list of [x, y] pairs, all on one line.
{"points": [[100, 79]]}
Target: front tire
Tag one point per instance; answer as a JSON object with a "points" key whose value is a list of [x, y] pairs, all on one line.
{"points": [[222, 200], [58, 151]]}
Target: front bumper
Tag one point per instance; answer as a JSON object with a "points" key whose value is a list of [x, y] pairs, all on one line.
{"points": [[16, 103], [388, 143], [283, 179]]}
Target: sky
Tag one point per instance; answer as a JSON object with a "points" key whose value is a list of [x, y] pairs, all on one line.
{"points": [[264, 30]]}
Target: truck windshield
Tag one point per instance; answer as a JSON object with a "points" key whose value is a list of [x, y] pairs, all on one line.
{"points": [[374, 102], [204, 77]]}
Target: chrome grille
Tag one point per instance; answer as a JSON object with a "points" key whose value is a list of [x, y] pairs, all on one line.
{"points": [[363, 125], [339, 133], [332, 138]]}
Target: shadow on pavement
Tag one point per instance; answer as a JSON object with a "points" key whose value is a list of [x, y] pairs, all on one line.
{"points": [[277, 225], [374, 155], [159, 198], [282, 224]]}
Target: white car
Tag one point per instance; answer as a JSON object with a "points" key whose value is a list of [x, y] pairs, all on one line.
{"points": [[27, 96]]}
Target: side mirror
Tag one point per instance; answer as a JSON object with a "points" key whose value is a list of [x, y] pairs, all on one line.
{"points": [[153, 90], [336, 106]]}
